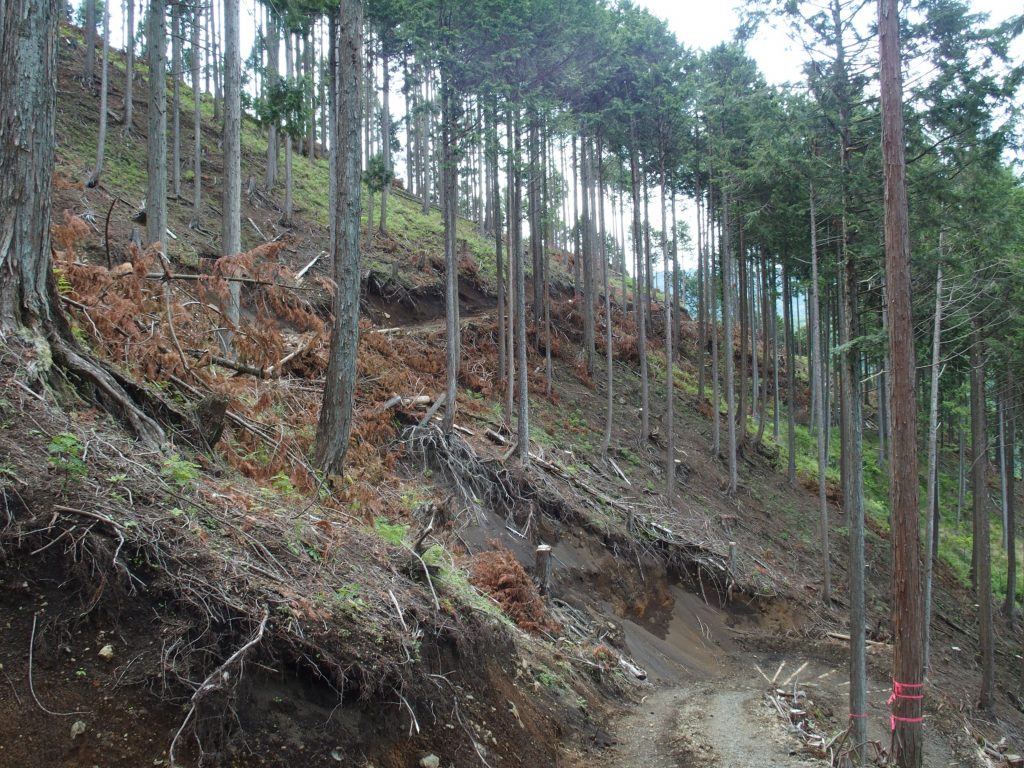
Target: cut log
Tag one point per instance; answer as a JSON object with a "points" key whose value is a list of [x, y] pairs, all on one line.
{"points": [[542, 568]]}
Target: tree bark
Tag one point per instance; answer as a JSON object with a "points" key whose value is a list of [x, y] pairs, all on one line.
{"points": [[286, 216], [101, 140], [231, 222], [129, 69], [1009, 444], [89, 35], [787, 322], [272, 77], [197, 124], [449, 203], [523, 420], [853, 495], [609, 358], [176, 36], [933, 462], [907, 737], [728, 348], [385, 139], [335, 424], [670, 435], [638, 278], [818, 377], [979, 489], [156, 159]]}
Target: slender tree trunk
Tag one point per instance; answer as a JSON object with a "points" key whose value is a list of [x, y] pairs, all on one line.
{"points": [[933, 462], [787, 322], [712, 293], [449, 203], [1009, 444], [89, 71], [493, 154], [883, 391], [523, 421], [907, 741], [231, 222], [645, 429], [853, 493], [702, 319], [773, 309], [763, 421], [728, 351], [101, 140], [273, 75], [961, 488], [197, 126], [739, 261], [286, 217], [979, 488], [218, 93], [587, 254], [670, 434], [514, 230], [129, 72], [335, 423], [310, 54], [818, 377], [385, 139], [535, 216], [177, 33], [609, 358], [156, 159]]}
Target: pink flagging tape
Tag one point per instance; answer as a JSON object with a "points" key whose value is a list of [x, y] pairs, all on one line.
{"points": [[893, 719], [899, 691]]}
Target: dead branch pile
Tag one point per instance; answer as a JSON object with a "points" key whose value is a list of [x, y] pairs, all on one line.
{"points": [[497, 573]]}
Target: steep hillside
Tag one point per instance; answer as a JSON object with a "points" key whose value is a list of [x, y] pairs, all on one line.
{"points": [[220, 602]]}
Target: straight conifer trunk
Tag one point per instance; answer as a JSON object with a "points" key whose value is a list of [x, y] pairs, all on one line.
{"points": [[156, 149], [818, 377], [89, 70], [231, 221], [286, 217], [335, 424], [645, 429], [129, 70], [273, 74], [385, 139], [101, 141], [1009, 445], [787, 322], [979, 488], [519, 276], [176, 36], [712, 293], [907, 737], [853, 497], [28, 71], [728, 350], [933, 459], [197, 124], [449, 201]]}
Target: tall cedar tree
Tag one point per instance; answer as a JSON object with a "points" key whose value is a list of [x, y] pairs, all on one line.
{"points": [[907, 746], [335, 425]]}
